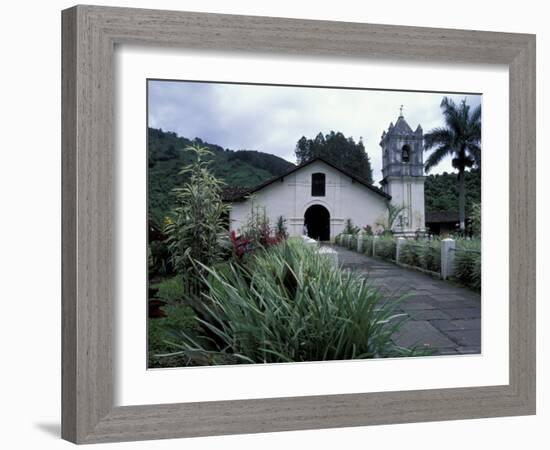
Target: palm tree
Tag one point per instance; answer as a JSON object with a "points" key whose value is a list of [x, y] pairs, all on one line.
{"points": [[460, 139]]}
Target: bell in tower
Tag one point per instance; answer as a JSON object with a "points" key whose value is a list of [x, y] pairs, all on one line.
{"points": [[403, 174]]}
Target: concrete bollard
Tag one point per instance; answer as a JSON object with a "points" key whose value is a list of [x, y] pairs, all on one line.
{"points": [[400, 242], [360, 243], [447, 258], [374, 241], [329, 253]]}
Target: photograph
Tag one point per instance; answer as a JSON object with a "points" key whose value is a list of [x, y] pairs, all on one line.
{"points": [[300, 223]]}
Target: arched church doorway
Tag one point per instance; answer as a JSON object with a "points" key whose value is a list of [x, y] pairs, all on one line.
{"points": [[317, 222]]}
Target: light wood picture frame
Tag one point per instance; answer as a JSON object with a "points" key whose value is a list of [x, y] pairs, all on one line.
{"points": [[90, 34]]}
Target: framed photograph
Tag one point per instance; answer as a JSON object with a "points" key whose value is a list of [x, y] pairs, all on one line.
{"points": [[278, 224]]}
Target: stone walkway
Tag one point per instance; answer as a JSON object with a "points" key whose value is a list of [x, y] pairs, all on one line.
{"points": [[442, 316]]}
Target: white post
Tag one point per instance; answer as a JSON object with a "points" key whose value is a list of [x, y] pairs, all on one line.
{"points": [[360, 236], [447, 258], [374, 241], [400, 242]]}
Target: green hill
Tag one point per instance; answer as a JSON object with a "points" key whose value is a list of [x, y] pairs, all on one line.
{"points": [[441, 191], [236, 168]]}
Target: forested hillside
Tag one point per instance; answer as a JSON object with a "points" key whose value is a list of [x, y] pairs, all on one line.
{"points": [[441, 191], [236, 168]]}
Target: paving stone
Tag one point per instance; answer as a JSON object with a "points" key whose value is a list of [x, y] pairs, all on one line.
{"points": [[421, 334], [467, 324], [427, 314], [406, 306], [418, 298], [469, 350], [446, 351], [444, 324], [466, 338], [453, 304], [463, 313]]}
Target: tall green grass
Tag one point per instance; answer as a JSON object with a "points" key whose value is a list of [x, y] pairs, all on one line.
{"points": [[367, 244], [290, 304], [424, 254], [467, 263], [385, 247]]}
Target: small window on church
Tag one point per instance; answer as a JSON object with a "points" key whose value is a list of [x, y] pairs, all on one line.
{"points": [[405, 153], [318, 185]]}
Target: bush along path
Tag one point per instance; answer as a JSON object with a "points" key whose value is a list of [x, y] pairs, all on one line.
{"points": [[443, 317]]}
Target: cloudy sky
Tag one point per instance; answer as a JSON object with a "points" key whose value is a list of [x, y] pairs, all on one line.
{"points": [[271, 119]]}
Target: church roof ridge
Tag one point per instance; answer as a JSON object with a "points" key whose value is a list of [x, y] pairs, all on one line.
{"points": [[354, 177]]}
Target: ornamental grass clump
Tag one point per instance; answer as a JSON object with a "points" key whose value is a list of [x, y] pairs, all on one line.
{"points": [[385, 247], [467, 263], [410, 253], [289, 303], [430, 256], [423, 254], [367, 245]]}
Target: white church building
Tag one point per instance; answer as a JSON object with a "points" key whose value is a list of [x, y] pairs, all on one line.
{"points": [[317, 197]]}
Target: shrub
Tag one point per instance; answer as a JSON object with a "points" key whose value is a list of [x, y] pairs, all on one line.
{"points": [[280, 228], [158, 253], [171, 289], [352, 242], [476, 219], [160, 332], [424, 254], [367, 245], [197, 222], [385, 247], [467, 263], [430, 256], [410, 253], [257, 231], [288, 303], [350, 228]]}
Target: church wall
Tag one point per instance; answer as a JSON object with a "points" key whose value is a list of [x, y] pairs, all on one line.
{"points": [[409, 192], [292, 196]]}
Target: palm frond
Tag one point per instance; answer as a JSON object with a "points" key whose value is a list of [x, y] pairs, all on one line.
{"points": [[438, 136], [438, 154], [475, 117]]}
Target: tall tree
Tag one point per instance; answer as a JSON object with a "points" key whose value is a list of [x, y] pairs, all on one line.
{"points": [[460, 138], [338, 149]]}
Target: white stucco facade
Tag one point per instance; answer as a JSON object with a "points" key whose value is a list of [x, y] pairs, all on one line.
{"points": [[290, 196], [408, 192]]}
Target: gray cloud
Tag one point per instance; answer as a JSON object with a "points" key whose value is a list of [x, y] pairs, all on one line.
{"points": [[272, 118]]}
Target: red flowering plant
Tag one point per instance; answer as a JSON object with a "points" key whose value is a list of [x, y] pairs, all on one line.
{"points": [[240, 244], [368, 230], [257, 233]]}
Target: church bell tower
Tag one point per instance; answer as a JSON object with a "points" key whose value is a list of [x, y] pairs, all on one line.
{"points": [[403, 175]]}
